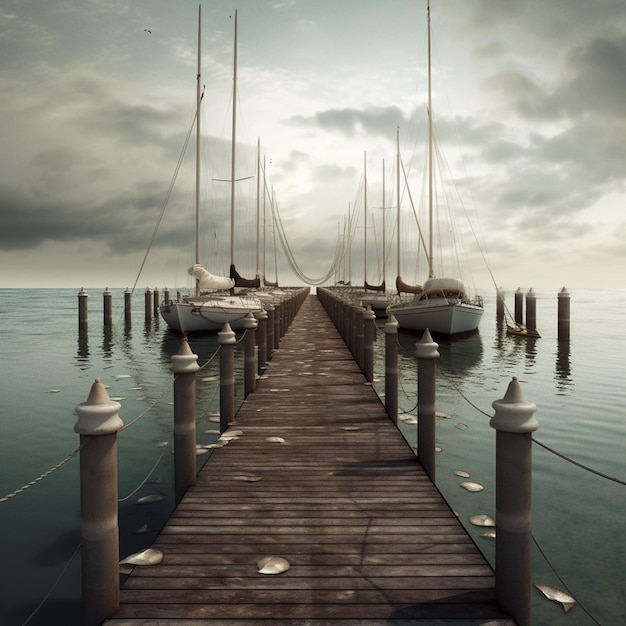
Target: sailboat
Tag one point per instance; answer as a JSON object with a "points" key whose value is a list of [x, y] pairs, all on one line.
{"points": [[214, 302], [443, 306]]}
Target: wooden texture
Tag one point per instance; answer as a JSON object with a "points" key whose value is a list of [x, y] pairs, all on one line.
{"points": [[343, 499]]}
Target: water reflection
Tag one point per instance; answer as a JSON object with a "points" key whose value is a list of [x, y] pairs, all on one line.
{"points": [[563, 371], [82, 351]]}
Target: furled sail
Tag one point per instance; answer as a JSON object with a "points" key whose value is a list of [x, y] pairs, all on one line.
{"points": [[206, 280], [240, 281]]}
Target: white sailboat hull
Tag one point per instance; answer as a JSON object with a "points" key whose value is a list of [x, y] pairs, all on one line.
{"points": [[209, 314], [438, 316]]}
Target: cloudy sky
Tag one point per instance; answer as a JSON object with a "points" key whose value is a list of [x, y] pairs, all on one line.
{"points": [[97, 97]]}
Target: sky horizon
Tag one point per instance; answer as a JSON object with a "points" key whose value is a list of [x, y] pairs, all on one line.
{"points": [[97, 99]]}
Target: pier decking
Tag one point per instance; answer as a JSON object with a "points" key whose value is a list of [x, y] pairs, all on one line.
{"points": [[342, 498]]}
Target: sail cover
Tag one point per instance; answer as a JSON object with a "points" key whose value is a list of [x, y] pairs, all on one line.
{"points": [[207, 280]]}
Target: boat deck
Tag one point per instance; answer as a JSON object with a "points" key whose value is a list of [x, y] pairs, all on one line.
{"points": [[321, 477]]}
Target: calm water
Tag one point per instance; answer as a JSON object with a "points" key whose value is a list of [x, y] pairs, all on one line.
{"points": [[48, 368]]}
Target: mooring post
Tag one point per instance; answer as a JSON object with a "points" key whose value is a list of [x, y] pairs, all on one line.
{"points": [[358, 348], [226, 340], [184, 366], [513, 421], [499, 305], [519, 306], [166, 296], [107, 307], [391, 368], [563, 315], [369, 335], [83, 309], [98, 424], [278, 312], [271, 311], [148, 304], [127, 306], [426, 353], [249, 364], [155, 302], [531, 310], [261, 340]]}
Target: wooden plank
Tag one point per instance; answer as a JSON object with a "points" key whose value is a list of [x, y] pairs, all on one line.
{"points": [[368, 537]]}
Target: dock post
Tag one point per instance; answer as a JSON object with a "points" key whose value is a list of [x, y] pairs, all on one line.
{"points": [[278, 312], [148, 305], [261, 340], [127, 306], [531, 310], [107, 307], [358, 348], [166, 296], [83, 309], [226, 340], [271, 310], [513, 421], [369, 334], [563, 315], [184, 366], [98, 424], [519, 306], [499, 305], [426, 353], [391, 368], [249, 364]]}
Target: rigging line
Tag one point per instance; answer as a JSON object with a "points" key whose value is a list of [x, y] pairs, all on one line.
{"points": [[547, 560], [54, 586], [579, 464], [165, 201]]}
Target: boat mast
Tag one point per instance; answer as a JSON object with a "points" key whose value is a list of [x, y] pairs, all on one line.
{"points": [[398, 198], [365, 224], [430, 161], [258, 202], [384, 234], [198, 98], [232, 152]]}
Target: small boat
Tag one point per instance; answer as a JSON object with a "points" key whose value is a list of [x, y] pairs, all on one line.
{"points": [[214, 302], [516, 329], [443, 305]]}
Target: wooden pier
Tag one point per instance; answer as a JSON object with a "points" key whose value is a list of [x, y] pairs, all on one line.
{"points": [[321, 477]]}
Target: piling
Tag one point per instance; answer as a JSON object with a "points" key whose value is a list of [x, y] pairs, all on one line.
{"points": [[519, 306], [261, 340], [426, 353], [148, 305], [563, 315], [83, 309], [278, 311], [155, 302], [531, 310], [500, 305], [358, 312], [166, 296], [184, 366], [226, 341], [127, 306], [369, 335], [98, 424], [107, 307], [271, 310], [391, 368], [513, 421], [249, 363]]}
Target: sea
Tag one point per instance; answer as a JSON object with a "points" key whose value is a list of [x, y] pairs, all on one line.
{"points": [[579, 388]]}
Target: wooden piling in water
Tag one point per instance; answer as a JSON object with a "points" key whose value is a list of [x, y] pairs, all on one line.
{"points": [[83, 309], [514, 421], [107, 307], [250, 365], [391, 368], [148, 305], [426, 353], [531, 310], [184, 367], [226, 340], [128, 306], [98, 424], [563, 321], [519, 306]]}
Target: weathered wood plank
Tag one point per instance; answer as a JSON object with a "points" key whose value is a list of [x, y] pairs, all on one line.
{"points": [[367, 535]]}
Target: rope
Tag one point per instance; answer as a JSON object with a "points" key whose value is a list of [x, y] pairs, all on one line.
{"points": [[547, 560], [143, 482], [579, 464], [54, 586], [149, 407], [41, 476]]}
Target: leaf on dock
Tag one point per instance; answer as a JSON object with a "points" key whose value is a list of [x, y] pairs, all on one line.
{"points": [[273, 565], [471, 487]]}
